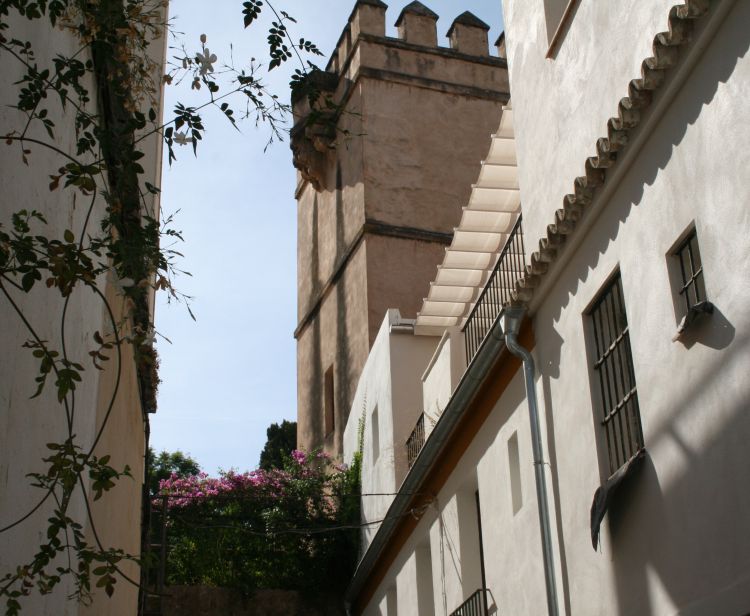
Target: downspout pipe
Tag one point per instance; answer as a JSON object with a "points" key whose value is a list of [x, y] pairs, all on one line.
{"points": [[512, 318]]}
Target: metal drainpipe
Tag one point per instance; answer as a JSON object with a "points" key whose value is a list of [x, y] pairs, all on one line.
{"points": [[512, 318]]}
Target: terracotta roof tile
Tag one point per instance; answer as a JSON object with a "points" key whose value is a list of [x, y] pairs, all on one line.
{"points": [[666, 50]]}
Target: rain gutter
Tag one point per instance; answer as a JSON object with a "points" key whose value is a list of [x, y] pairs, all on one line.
{"points": [[512, 318]]}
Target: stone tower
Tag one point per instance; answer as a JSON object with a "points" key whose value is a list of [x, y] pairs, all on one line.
{"points": [[379, 195]]}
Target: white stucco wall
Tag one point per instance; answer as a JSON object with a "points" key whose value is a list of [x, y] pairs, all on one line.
{"points": [[449, 525], [561, 105], [677, 538], [677, 543], [27, 425], [390, 382], [442, 375]]}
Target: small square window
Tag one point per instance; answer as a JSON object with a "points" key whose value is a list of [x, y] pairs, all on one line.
{"points": [[693, 291], [685, 267]]}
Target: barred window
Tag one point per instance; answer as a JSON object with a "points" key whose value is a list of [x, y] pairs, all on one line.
{"points": [[614, 368], [693, 288]]}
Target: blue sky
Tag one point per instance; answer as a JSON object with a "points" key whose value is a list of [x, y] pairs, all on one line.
{"points": [[231, 373]]}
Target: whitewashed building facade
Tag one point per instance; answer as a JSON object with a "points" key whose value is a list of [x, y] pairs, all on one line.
{"points": [[610, 217]]}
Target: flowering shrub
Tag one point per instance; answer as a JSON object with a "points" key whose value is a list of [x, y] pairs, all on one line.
{"points": [[292, 528]]}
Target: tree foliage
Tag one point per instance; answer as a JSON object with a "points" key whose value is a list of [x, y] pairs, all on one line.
{"points": [[168, 464], [281, 441], [293, 528]]}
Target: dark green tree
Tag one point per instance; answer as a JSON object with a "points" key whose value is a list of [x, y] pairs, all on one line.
{"points": [[290, 528], [166, 464], [281, 441]]}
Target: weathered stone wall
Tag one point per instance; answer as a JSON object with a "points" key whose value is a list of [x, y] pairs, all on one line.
{"points": [[202, 600], [376, 209]]}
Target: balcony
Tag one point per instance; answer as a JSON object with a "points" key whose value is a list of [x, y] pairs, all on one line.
{"points": [[415, 442], [476, 605], [509, 268]]}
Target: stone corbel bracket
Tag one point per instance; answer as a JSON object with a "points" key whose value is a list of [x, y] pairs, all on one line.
{"points": [[314, 133]]}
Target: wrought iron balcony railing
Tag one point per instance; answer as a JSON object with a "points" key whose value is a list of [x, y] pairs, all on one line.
{"points": [[509, 268], [476, 605], [415, 442]]}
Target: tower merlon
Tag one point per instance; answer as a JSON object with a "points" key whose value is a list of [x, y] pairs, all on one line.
{"points": [[500, 45], [412, 59], [468, 34], [417, 25], [368, 17]]}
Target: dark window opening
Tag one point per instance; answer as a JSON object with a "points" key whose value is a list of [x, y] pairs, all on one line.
{"points": [[621, 416], [693, 290], [553, 14], [329, 401], [375, 435]]}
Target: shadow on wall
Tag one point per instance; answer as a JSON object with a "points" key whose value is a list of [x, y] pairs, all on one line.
{"points": [[551, 370], [688, 534], [344, 391], [459, 552], [714, 69], [713, 331], [316, 422], [684, 538], [315, 381]]}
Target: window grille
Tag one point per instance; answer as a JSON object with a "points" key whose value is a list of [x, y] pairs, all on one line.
{"points": [[415, 442], [691, 267], [510, 266], [474, 605], [614, 367]]}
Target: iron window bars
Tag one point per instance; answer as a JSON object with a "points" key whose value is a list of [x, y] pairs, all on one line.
{"points": [[509, 268], [476, 605], [691, 267], [614, 365], [415, 442]]}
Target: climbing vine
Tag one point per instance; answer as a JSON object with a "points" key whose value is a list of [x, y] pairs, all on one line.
{"points": [[102, 97]]}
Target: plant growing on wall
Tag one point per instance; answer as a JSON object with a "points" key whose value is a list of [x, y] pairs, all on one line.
{"points": [[103, 98]]}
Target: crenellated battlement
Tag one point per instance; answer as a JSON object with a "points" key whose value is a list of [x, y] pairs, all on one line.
{"points": [[412, 59], [385, 158], [416, 25]]}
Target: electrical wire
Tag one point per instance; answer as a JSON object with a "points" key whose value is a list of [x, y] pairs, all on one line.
{"points": [[415, 512], [240, 497]]}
